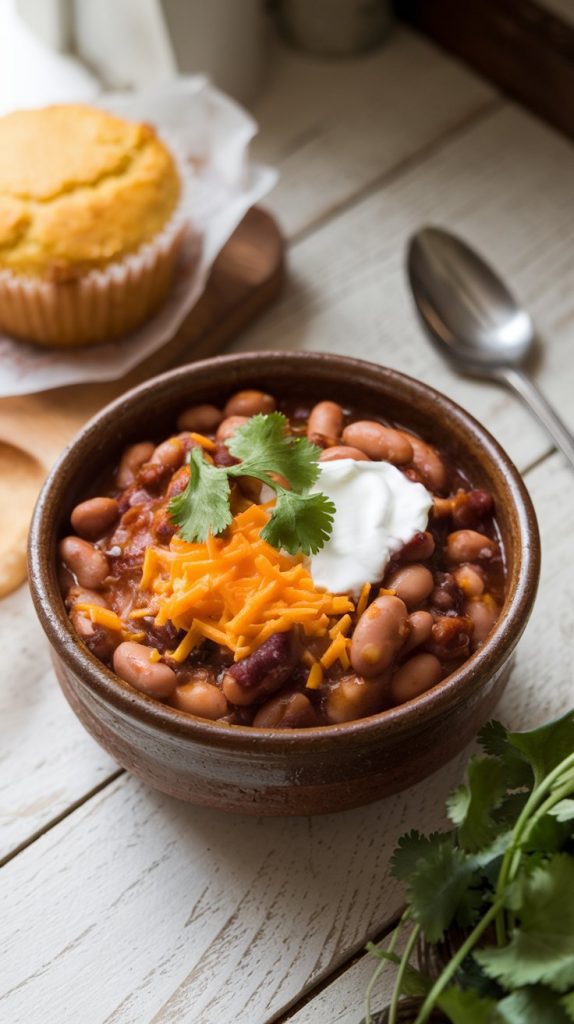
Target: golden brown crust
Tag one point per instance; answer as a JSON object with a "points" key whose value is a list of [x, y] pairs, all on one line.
{"points": [[79, 189]]}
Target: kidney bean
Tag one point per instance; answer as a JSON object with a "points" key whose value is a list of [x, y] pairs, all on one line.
{"points": [[93, 517], [470, 579], [200, 419], [131, 462], [132, 663], [342, 451], [88, 564], [418, 549], [379, 442], [470, 546], [471, 507], [483, 612], [379, 635], [418, 674], [260, 673], [447, 595], [428, 464], [286, 711], [222, 456], [354, 697], [228, 426], [200, 698], [451, 635], [420, 624], [326, 421], [249, 403], [412, 583]]}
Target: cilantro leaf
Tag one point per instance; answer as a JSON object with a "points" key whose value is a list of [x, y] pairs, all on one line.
{"points": [[532, 1005], [493, 738], [541, 950], [467, 1007], [299, 522], [547, 746], [564, 811], [412, 848], [263, 445], [568, 1004], [470, 806], [203, 507], [438, 887]]}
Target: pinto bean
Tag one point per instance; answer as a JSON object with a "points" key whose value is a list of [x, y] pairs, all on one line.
{"points": [[201, 419], [419, 548], [379, 635], [260, 673], [470, 546], [249, 403], [354, 697], [342, 451], [418, 674], [169, 454], [200, 698], [483, 612], [88, 564], [325, 420], [420, 624], [132, 663], [93, 517], [379, 442], [228, 426], [470, 579], [472, 507], [81, 595], [428, 464], [131, 462], [286, 711], [412, 583], [101, 641]]}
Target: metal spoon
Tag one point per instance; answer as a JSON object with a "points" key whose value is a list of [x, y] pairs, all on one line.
{"points": [[476, 322]]}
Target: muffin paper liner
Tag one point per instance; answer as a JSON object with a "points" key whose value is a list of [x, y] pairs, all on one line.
{"points": [[209, 135]]}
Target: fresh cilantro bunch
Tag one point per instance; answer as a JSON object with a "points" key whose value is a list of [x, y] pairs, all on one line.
{"points": [[299, 521], [503, 874]]}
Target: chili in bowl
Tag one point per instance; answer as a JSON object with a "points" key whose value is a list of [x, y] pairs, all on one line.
{"points": [[288, 583]]}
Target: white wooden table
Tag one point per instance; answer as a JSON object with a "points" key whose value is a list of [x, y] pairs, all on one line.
{"points": [[120, 905]]}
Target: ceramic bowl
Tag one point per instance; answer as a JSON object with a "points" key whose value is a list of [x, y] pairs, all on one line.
{"points": [[273, 771]]}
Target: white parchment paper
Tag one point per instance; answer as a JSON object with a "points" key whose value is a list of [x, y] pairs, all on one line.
{"points": [[211, 134]]}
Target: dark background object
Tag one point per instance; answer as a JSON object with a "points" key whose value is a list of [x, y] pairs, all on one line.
{"points": [[520, 46]]}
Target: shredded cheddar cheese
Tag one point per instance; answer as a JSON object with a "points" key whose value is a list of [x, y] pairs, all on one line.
{"points": [[237, 590], [315, 677]]}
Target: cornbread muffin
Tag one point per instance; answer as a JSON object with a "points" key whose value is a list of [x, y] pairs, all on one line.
{"points": [[89, 226]]}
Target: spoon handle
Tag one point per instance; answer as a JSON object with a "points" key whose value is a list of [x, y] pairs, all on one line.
{"points": [[530, 394]]}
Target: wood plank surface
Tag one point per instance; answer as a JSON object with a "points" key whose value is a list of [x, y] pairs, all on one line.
{"points": [[135, 908], [335, 128], [348, 292], [304, 95], [229, 919]]}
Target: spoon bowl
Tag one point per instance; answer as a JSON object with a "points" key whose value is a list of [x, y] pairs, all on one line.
{"points": [[475, 322]]}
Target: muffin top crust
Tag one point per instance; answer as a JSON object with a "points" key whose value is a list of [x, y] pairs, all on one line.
{"points": [[79, 189]]}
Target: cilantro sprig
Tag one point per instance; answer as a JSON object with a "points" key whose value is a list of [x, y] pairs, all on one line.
{"points": [[504, 874], [299, 521]]}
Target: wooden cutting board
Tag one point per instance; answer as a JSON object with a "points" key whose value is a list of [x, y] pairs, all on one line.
{"points": [[245, 279]]}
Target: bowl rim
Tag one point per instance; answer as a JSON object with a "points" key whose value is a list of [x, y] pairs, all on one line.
{"points": [[130, 703]]}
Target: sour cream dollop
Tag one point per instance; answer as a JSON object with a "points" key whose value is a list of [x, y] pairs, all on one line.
{"points": [[378, 509]]}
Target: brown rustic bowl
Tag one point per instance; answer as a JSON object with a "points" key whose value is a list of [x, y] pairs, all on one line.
{"points": [[273, 771]]}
